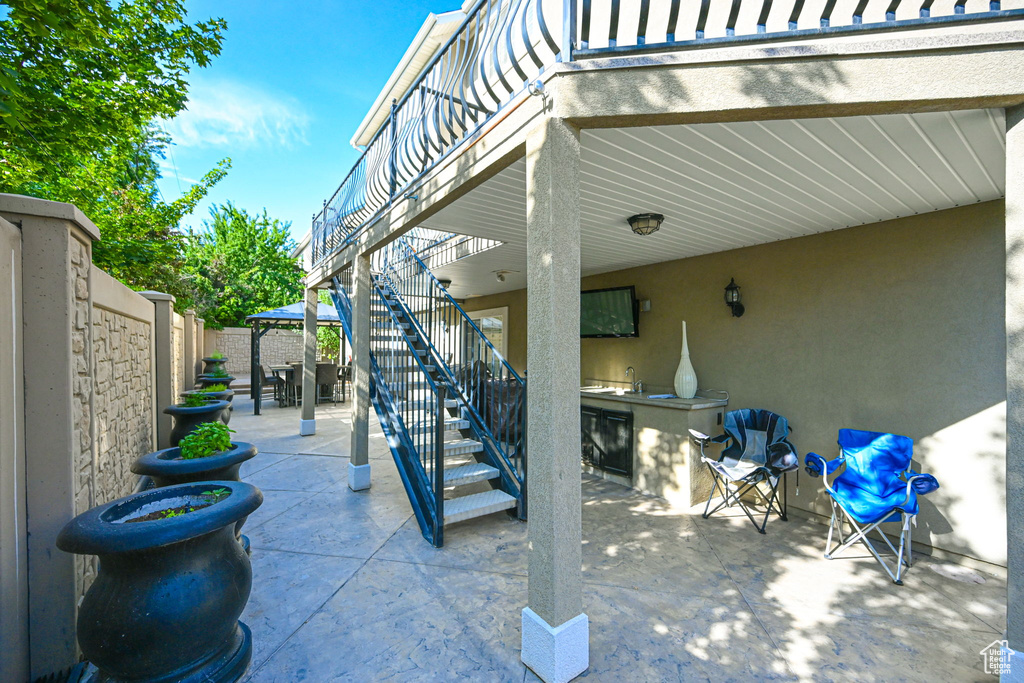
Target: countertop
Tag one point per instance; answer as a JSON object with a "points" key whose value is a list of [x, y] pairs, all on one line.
{"points": [[696, 403]]}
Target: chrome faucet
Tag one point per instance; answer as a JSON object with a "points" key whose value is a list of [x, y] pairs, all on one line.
{"points": [[638, 386]]}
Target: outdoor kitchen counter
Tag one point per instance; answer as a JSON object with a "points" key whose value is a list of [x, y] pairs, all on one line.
{"points": [[666, 461], [696, 403]]}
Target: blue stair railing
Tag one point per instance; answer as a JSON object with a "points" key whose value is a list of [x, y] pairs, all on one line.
{"points": [[410, 406], [490, 393]]}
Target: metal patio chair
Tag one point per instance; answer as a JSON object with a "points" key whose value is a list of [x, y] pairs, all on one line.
{"points": [[752, 464], [876, 486]]}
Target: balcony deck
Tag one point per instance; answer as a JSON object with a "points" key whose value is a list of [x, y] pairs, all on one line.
{"points": [[345, 588]]}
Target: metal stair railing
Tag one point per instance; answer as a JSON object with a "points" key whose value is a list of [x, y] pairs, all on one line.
{"points": [[485, 384], [410, 406]]}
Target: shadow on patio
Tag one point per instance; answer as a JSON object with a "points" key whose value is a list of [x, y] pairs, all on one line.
{"points": [[346, 588]]}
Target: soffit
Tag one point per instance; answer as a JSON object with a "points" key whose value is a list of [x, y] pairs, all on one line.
{"points": [[731, 185]]}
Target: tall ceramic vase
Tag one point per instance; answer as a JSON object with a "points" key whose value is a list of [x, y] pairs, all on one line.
{"points": [[686, 379]]}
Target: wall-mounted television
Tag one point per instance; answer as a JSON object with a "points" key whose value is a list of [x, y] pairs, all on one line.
{"points": [[609, 312]]}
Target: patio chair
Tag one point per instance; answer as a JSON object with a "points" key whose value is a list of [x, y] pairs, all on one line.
{"points": [[273, 384], [326, 376], [751, 465], [875, 487]]}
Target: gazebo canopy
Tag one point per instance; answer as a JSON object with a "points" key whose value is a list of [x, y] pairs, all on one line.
{"points": [[292, 314]]}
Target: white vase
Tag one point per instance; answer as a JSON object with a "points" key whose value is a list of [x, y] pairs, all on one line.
{"points": [[686, 379]]}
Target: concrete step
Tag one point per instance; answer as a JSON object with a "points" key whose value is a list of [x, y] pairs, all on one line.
{"points": [[456, 447], [476, 505], [420, 404], [450, 424], [469, 474]]}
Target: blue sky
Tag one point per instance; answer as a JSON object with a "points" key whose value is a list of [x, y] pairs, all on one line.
{"points": [[291, 85]]}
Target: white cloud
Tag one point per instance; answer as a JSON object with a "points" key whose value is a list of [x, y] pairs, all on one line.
{"points": [[230, 114]]}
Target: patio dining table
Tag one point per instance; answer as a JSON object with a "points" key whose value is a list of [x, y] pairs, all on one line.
{"points": [[285, 373]]}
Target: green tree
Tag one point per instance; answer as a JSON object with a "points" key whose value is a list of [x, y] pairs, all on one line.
{"points": [[79, 77], [81, 84], [240, 264]]}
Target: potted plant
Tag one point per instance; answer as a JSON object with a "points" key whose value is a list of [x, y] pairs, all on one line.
{"points": [[216, 376], [205, 454], [213, 361], [171, 585], [192, 412], [215, 392]]}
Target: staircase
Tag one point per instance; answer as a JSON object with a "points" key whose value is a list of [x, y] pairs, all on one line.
{"points": [[452, 410]]}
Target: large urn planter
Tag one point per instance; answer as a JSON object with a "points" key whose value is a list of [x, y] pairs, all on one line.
{"points": [[186, 419], [211, 364], [226, 395], [167, 468], [206, 380], [165, 603]]}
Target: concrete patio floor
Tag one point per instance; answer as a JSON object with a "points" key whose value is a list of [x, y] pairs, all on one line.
{"points": [[345, 587]]}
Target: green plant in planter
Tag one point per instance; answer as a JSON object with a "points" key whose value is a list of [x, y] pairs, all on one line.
{"points": [[209, 438], [216, 355], [218, 372], [214, 388], [194, 401]]}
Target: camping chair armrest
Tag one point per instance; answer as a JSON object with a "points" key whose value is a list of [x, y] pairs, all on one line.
{"points": [[922, 483], [813, 462], [703, 439]]}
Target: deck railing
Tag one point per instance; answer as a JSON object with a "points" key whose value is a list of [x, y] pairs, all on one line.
{"points": [[504, 45]]}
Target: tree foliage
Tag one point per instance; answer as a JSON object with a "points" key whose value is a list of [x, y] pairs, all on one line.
{"points": [[240, 264], [77, 76], [81, 84]]}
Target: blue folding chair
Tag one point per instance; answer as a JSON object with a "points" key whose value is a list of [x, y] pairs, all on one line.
{"points": [[758, 455], [875, 487]]}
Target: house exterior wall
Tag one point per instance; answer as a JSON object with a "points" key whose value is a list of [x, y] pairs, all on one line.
{"points": [[896, 326]]}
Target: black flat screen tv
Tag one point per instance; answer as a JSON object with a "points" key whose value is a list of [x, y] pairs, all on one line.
{"points": [[609, 312]]}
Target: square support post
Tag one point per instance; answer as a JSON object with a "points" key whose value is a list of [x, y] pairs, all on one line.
{"points": [[190, 349], [1015, 392], [307, 425], [359, 454], [555, 633], [163, 359], [56, 310]]}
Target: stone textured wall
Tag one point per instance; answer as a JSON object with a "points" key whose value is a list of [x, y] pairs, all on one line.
{"points": [[123, 402], [276, 348], [178, 350], [81, 350]]}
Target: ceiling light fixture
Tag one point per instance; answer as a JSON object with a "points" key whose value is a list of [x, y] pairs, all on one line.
{"points": [[646, 223]]}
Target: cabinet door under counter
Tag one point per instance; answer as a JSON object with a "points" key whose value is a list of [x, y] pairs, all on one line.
{"points": [[643, 443], [607, 439]]}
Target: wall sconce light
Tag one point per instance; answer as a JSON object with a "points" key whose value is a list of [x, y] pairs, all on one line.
{"points": [[445, 282], [732, 298], [645, 223]]}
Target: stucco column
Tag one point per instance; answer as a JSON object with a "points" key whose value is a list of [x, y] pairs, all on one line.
{"points": [[307, 425], [163, 360], [56, 310], [1015, 390], [359, 454], [190, 349], [555, 629]]}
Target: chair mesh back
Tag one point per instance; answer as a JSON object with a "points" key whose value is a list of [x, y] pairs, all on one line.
{"points": [[752, 432], [874, 460]]}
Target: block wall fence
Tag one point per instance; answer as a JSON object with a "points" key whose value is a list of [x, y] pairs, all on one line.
{"points": [[86, 367], [276, 348]]}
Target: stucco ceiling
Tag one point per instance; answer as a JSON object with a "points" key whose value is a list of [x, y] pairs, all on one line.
{"points": [[725, 186]]}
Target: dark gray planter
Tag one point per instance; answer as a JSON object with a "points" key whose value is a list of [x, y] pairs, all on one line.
{"points": [[166, 600], [167, 468], [187, 419], [209, 364], [226, 395], [206, 380]]}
